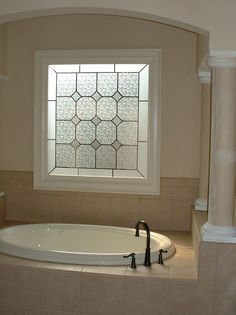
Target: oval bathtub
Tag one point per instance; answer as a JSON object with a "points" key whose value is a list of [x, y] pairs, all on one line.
{"points": [[80, 243]]}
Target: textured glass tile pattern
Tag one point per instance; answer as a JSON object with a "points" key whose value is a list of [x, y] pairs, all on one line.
{"points": [[127, 158], [99, 114], [106, 108], [106, 132], [128, 84], [86, 108], [66, 84], [65, 108], [65, 155], [85, 132], [128, 108], [86, 83], [106, 157], [127, 133], [65, 132], [85, 156], [107, 83]]}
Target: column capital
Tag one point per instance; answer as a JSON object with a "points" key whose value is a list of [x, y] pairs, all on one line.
{"points": [[204, 77], [222, 59]]}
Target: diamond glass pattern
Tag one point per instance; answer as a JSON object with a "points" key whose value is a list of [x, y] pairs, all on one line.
{"points": [[65, 132], [116, 145], [117, 96], [127, 157], [128, 108], [96, 144], [128, 84], [107, 83], [99, 116], [86, 108], [96, 96], [86, 83], [65, 156], [85, 132], [96, 120], [106, 108], [76, 96], [127, 133], [106, 157], [106, 132], [75, 120], [116, 120], [75, 144], [65, 108], [66, 84], [85, 156]]}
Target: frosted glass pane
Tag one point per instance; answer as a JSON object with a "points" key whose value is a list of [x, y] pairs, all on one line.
{"points": [[51, 119], [143, 85], [95, 172], [85, 156], [106, 157], [106, 108], [106, 132], [129, 67], [128, 84], [86, 108], [127, 133], [143, 121], [65, 108], [52, 84], [128, 108], [65, 68], [127, 157], [142, 158], [127, 174], [65, 156], [65, 172], [65, 132], [85, 132], [66, 84], [86, 83], [51, 155], [107, 83], [97, 68]]}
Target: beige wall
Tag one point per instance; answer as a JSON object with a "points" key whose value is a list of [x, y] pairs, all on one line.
{"points": [[217, 17], [180, 88], [3, 46]]}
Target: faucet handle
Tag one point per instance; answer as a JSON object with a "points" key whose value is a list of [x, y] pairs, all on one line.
{"points": [[133, 262], [160, 258]]}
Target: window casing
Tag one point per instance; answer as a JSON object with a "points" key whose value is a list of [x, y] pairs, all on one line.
{"points": [[97, 120]]}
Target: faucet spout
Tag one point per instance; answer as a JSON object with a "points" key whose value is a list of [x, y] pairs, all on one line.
{"points": [[147, 260]]}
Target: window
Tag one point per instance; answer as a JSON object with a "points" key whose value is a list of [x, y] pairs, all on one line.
{"points": [[97, 120]]}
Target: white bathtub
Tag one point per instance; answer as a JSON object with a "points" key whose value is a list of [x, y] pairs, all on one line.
{"points": [[80, 243]]}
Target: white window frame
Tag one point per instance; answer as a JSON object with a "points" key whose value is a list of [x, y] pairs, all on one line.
{"points": [[42, 180]]}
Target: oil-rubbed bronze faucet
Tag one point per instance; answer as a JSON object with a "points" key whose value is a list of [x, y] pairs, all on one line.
{"points": [[147, 261]]}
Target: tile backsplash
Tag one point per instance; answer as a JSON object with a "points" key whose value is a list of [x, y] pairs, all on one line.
{"points": [[171, 210]]}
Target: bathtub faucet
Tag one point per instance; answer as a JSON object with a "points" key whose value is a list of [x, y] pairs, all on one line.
{"points": [[147, 261]]}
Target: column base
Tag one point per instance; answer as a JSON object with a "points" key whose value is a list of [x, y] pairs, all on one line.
{"points": [[216, 233], [200, 204]]}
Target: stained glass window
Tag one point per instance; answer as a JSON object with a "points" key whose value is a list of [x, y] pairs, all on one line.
{"points": [[98, 117]]}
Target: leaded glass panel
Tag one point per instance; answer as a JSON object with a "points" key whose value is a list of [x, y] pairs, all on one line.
{"points": [[106, 157], [65, 155], [106, 108], [65, 132], [100, 115], [65, 108], [86, 108]]}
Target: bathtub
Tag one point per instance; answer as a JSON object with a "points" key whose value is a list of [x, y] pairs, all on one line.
{"points": [[81, 243]]}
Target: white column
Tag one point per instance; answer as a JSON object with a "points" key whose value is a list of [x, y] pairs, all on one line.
{"points": [[220, 226], [201, 201]]}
